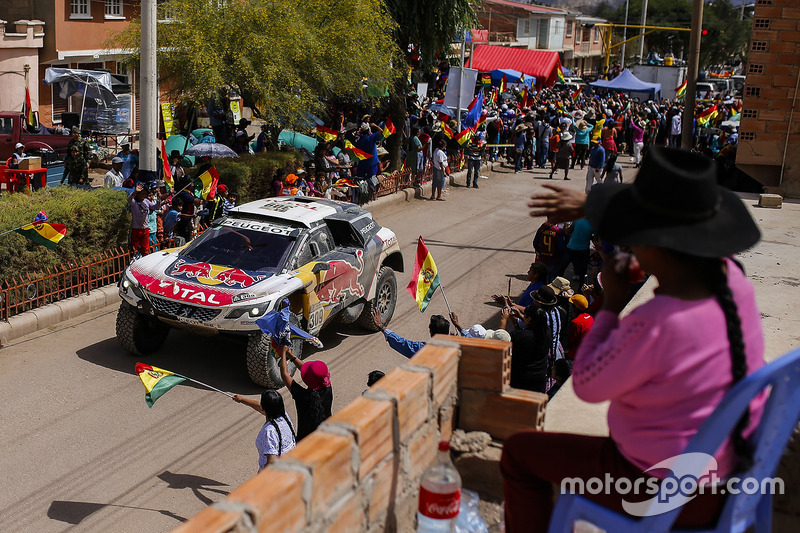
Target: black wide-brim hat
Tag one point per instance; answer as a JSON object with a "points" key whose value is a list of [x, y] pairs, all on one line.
{"points": [[674, 203]]}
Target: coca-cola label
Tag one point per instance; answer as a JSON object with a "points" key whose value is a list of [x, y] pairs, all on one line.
{"points": [[439, 506]]}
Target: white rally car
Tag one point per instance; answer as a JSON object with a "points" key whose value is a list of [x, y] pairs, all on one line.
{"points": [[330, 259]]}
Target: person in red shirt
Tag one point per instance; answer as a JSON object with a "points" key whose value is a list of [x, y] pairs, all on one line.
{"points": [[580, 325]]}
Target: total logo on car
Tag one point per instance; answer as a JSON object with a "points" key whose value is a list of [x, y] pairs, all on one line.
{"points": [[330, 259]]}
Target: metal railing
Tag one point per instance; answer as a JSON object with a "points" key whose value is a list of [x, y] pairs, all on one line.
{"points": [[33, 290]]}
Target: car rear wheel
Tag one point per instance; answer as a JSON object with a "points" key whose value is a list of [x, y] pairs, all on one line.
{"points": [[263, 362], [385, 300], [137, 333]]}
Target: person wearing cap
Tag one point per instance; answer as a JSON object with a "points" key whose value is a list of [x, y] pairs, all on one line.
{"points": [[371, 136], [440, 171], [76, 168], [529, 349], [666, 365], [113, 177], [578, 326], [403, 346], [519, 145], [17, 156], [229, 201], [313, 402], [241, 143], [217, 205]]}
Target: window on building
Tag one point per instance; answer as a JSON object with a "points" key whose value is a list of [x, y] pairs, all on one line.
{"points": [[586, 35], [596, 35], [569, 28], [80, 9], [526, 27], [114, 9], [543, 37]]}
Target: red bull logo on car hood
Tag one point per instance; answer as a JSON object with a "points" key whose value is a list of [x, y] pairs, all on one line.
{"points": [[214, 275]]}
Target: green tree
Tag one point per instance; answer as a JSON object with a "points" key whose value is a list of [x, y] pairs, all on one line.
{"points": [[284, 57], [429, 27]]}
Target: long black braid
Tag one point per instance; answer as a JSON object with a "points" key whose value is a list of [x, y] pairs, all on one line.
{"points": [[718, 283], [278, 430]]}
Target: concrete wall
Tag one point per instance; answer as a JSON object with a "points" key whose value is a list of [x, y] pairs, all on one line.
{"points": [[20, 42], [360, 470]]}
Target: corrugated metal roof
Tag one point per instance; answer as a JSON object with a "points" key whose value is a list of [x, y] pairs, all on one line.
{"points": [[527, 7], [541, 64]]}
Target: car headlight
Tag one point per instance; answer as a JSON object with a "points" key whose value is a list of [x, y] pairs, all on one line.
{"points": [[129, 283], [253, 311]]}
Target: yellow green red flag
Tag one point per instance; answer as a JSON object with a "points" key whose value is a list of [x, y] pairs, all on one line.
{"points": [[360, 154], [157, 381], [388, 128], [209, 180], [707, 115], [560, 73], [680, 90], [424, 277], [45, 233], [165, 166], [327, 134]]}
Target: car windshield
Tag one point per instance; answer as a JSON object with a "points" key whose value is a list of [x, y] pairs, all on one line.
{"points": [[244, 249]]}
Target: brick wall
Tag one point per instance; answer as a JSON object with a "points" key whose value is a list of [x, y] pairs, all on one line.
{"points": [[772, 73], [360, 470]]}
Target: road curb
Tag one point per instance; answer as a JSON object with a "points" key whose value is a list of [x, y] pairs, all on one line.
{"points": [[52, 314]]}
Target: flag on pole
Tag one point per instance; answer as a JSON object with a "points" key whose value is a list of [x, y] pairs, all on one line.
{"points": [[165, 165], [157, 381], [474, 113], [424, 277], [447, 131], [209, 180], [707, 115], [28, 109], [276, 324], [464, 136], [503, 84], [560, 73], [481, 121], [327, 134], [388, 128], [360, 154], [680, 90], [475, 101], [45, 233], [576, 93], [486, 79]]}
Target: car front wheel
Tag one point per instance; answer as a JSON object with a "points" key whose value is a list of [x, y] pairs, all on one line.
{"points": [[263, 362], [385, 300]]}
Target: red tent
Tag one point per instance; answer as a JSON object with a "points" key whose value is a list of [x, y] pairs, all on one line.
{"points": [[541, 64]]}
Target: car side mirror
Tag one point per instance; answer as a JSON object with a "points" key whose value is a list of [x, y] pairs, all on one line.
{"points": [[319, 267]]}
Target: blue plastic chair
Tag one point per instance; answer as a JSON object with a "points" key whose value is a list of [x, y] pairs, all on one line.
{"points": [[781, 414]]}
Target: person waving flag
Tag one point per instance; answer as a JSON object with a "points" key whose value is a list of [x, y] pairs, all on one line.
{"points": [[388, 128], [424, 277]]}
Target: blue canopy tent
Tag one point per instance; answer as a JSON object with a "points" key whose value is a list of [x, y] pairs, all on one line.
{"points": [[512, 76], [627, 82]]}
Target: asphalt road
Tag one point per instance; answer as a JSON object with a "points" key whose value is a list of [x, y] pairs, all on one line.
{"points": [[81, 450]]}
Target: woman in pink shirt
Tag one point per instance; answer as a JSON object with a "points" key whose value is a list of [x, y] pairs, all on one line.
{"points": [[665, 366]]}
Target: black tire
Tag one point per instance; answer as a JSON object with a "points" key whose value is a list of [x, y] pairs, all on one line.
{"points": [[385, 300], [138, 333], [262, 360]]}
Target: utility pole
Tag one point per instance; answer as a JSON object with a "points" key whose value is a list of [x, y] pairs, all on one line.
{"points": [[687, 122], [641, 32], [624, 36], [148, 76]]}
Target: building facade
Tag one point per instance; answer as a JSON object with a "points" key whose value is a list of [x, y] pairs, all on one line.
{"points": [[536, 27], [769, 136], [20, 43]]}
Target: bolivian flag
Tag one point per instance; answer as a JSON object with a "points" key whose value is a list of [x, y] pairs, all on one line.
{"points": [[680, 91], [503, 84], [707, 115], [486, 79], [165, 166], [45, 233], [327, 134], [157, 381], [424, 278], [576, 93], [209, 179], [388, 128], [447, 131], [560, 73], [464, 136], [360, 154]]}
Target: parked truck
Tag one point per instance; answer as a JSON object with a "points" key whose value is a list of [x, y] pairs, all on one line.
{"points": [[13, 130]]}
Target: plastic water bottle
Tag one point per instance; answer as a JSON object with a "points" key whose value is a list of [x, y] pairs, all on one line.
{"points": [[439, 494], [469, 519]]}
